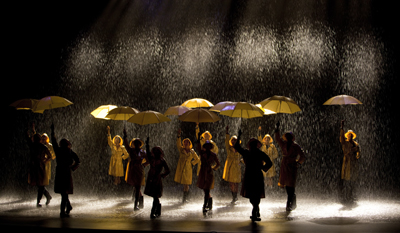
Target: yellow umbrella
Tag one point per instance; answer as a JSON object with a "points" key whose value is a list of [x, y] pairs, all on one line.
{"points": [[199, 115], [218, 107], [122, 113], [176, 110], [280, 104], [50, 102], [197, 103], [24, 104], [102, 111], [242, 110], [148, 117], [342, 100]]}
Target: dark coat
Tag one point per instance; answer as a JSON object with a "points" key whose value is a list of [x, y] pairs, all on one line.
{"points": [[39, 156], [154, 186], [135, 168], [206, 174], [288, 172], [67, 161], [253, 179]]}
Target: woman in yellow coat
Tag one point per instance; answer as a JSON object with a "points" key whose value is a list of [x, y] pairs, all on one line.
{"points": [[118, 152], [232, 170], [270, 149], [205, 137], [187, 159]]}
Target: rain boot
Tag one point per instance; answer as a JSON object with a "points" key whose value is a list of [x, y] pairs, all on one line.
{"points": [[158, 210], [153, 211], [185, 195], [210, 203], [48, 196], [205, 204], [234, 198], [136, 208], [294, 202], [141, 205]]}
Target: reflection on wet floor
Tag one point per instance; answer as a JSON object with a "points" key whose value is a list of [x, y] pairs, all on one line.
{"points": [[317, 211]]}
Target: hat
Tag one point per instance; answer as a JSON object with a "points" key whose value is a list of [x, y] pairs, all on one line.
{"points": [[138, 139], [350, 132]]}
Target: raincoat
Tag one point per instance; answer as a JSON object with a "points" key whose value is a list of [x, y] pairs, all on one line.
{"points": [[135, 167], [206, 173], [253, 179], [272, 153], [232, 170], [351, 155], [154, 186], [117, 154], [67, 161], [187, 160], [39, 156], [48, 164], [288, 172]]}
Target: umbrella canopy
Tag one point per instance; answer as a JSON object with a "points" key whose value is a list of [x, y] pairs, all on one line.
{"points": [[218, 107], [176, 110], [122, 113], [50, 102], [342, 100], [266, 111], [102, 111], [280, 104], [197, 103], [148, 117], [242, 110], [199, 115], [24, 104]]}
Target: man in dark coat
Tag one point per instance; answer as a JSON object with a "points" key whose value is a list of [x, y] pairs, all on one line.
{"points": [[67, 161], [253, 180]]}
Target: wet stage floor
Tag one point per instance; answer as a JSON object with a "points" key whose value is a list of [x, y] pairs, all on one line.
{"points": [[94, 214]]}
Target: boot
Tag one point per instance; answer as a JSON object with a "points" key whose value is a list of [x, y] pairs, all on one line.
{"points": [[48, 197], [136, 208], [210, 203], [153, 212], [158, 210], [205, 205], [141, 205], [234, 198], [185, 195], [69, 207], [294, 202]]}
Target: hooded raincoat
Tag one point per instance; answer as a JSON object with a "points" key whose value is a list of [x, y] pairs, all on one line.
{"points": [[351, 153], [232, 170], [272, 153], [117, 154], [39, 156], [187, 160]]}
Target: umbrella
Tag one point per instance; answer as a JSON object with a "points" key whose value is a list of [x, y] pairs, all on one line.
{"points": [[242, 110], [199, 115], [102, 111], [176, 110], [24, 104], [50, 102], [280, 104], [148, 117], [218, 107], [342, 100], [197, 103], [122, 113]]}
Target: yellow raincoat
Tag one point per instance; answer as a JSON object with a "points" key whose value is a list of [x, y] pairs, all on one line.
{"points": [[116, 168], [48, 164], [272, 153], [232, 170], [351, 155], [183, 174]]}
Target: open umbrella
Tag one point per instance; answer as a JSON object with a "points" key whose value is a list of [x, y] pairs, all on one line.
{"points": [[24, 104], [50, 102], [148, 117], [199, 115], [242, 110], [122, 113], [197, 103], [342, 100], [102, 111], [280, 104], [218, 107], [176, 110]]}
